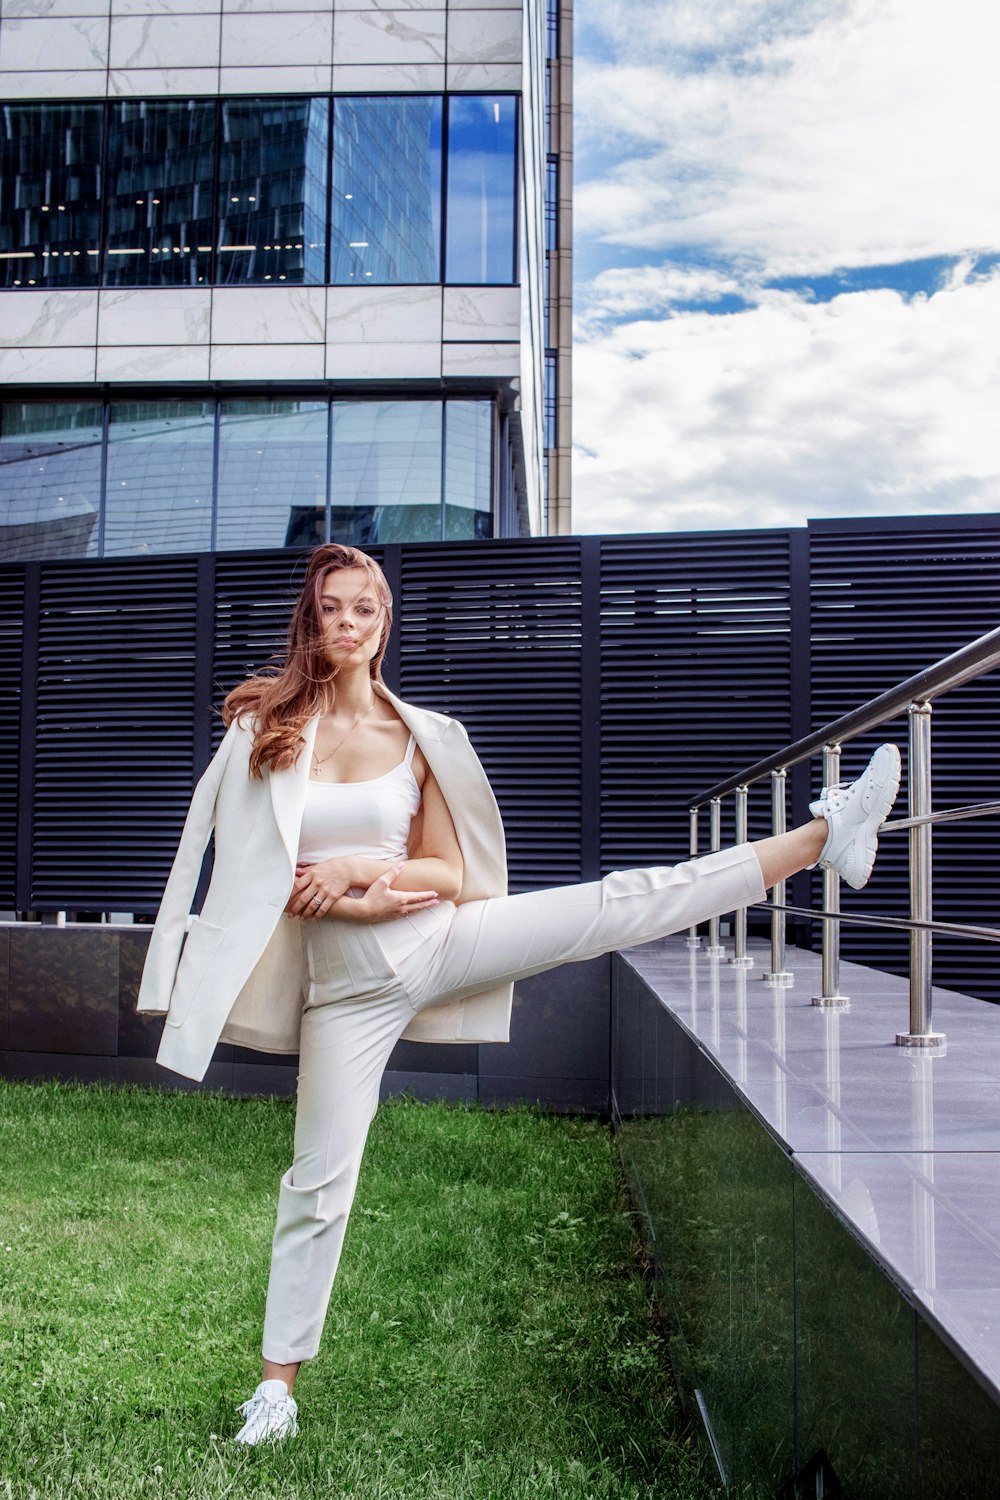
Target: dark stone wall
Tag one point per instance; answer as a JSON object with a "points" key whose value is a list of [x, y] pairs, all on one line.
{"points": [[67, 1010]]}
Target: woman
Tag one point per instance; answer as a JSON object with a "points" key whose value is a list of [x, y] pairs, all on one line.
{"points": [[358, 895]]}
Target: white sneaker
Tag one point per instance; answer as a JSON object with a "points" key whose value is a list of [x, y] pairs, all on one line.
{"points": [[270, 1414], [854, 814]]}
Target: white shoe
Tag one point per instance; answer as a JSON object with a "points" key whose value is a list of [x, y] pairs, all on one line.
{"points": [[854, 814], [270, 1414]]}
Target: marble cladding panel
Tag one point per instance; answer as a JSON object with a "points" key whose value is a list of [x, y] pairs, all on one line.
{"points": [[141, 83], [483, 78], [155, 41], [45, 366], [12, 9], [266, 315], [312, 79], [383, 315], [267, 362], [388, 78], [18, 84], [383, 361], [265, 6], [389, 36], [435, 1057], [179, 362], [164, 7], [389, 4], [63, 991], [484, 36], [280, 40], [496, 360], [482, 5], [162, 315], [482, 312], [32, 44], [45, 318]]}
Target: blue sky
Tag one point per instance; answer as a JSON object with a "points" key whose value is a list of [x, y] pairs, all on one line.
{"points": [[787, 261]]}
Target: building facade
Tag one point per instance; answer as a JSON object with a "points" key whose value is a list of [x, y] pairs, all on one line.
{"points": [[274, 272]]}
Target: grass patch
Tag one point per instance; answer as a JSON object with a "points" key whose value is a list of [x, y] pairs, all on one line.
{"points": [[490, 1335]]}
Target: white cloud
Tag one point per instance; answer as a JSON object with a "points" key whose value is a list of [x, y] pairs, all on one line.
{"points": [[791, 138], [867, 404]]}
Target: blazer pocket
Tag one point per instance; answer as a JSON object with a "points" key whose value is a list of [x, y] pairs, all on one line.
{"points": [[200, 947]]}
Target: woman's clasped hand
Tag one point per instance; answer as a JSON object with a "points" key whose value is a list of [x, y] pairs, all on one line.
{"points": [[327, 889]]}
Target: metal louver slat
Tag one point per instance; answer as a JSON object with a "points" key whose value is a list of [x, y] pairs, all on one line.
{"points": [[11, 647], [494, 637], [886, 602], [695, 664], [114, 758]]}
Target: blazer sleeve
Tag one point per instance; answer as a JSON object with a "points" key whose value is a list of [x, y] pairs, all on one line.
{"points": [[164, 951]]}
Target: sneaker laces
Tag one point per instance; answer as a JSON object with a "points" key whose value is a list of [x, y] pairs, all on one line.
{"points": [[260, 1399]]}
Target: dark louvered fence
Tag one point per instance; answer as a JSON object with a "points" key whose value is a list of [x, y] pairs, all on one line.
{"points": [[603, 681]]}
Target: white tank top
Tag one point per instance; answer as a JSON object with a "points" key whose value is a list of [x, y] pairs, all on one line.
{"points": [[360, 817]]}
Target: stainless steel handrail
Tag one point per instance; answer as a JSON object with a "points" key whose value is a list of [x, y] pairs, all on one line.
{"points": [[950, 672], [914, 696]]}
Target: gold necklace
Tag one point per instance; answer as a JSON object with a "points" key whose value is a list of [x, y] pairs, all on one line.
{"points": [[317, 763]]}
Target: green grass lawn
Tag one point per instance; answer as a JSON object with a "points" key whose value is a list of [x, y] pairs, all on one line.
{"points": [[490, 1334]]}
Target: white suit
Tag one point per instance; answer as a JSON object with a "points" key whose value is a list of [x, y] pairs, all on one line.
{"points": [[342, 993], [240, 975]]}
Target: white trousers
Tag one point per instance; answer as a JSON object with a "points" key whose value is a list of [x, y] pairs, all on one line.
{"points": [[366, 982]]}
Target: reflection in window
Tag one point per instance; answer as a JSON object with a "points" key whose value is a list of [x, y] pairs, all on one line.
{"points": [[401, 471], [482, 159], [272, 191], [161, 159], [385, 482], [386, 226], [50, 479], [468, 470], [272, 474], [50, 162], [159, 479]]}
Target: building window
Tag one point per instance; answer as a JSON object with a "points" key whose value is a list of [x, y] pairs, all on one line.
{"points": [[234, 191], [50, 479], [273, 160], [551, 204], [272, 474], [551, 398], [159, 477], [50, 167], [160, 182], [163, 475], [482, 169], [386, 221]]}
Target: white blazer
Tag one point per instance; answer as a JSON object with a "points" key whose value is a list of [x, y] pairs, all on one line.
{"points": [[238, 976]]}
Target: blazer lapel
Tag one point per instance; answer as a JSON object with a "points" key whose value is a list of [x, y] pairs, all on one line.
{"points": [[288, 792]]}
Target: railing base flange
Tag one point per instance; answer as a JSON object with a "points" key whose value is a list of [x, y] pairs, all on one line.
{"points": [[718, 952], [928, 1041], [781, 979], [746, 962], [832, 1002], [692, 942]]}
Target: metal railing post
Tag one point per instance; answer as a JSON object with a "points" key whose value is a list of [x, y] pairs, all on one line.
{"points": [[693, 940], [715, 948], [777, 974], [920, 1033], [831, 996], [741, 959]]}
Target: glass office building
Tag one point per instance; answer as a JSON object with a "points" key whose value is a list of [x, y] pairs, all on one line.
{"points": [[249, 299]]}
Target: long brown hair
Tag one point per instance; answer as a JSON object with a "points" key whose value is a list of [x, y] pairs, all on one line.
{"points": [[281, 700]]}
